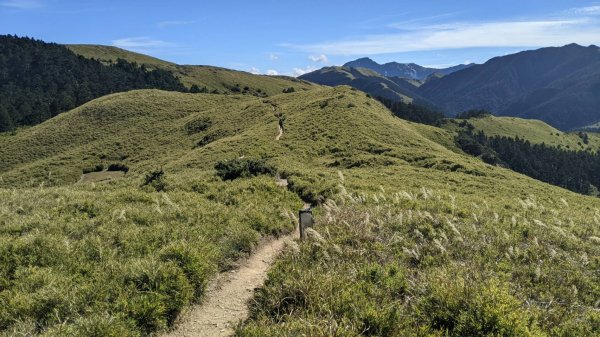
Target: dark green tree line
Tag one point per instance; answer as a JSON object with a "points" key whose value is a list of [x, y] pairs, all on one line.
{"points": [[578, 171], [39, 80], [412, 112]]}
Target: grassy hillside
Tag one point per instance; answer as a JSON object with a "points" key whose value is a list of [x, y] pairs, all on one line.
{"points": [[120, 258], [110, 53], [535, 131], [212, 78]]}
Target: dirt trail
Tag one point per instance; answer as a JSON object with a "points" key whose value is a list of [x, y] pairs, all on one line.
{"points": [[227, 296], [280, 133]]}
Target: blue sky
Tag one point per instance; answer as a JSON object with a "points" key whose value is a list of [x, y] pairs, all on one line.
{"points": [[292, 37]]}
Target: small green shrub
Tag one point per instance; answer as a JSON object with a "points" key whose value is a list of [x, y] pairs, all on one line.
{"points": [[197, 126], [193, 263], [243, 168], [289, 90], [118, 167], [312, 189], [488, 309], [96, 168], [156, 179]]}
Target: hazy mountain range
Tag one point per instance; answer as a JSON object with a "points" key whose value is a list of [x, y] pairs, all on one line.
{"points": [[559, 85], [404, 70]]}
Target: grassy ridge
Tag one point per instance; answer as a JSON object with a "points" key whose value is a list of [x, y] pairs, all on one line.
{"points": [[535, 131], [151, 252], [212, 78]]}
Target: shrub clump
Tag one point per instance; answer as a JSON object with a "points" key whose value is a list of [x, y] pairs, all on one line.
{"points": [[156, 179], [243, 168], [197, 126], [96, 168], [118, 167]]}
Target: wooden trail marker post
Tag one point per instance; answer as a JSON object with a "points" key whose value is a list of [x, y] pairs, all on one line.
{"points": [[305, 221]]}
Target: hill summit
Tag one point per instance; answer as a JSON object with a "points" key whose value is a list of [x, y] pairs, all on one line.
{"points": [[404, 70]]}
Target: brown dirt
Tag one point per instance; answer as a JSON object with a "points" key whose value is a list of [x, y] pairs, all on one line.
{"points": [[227, 296]]}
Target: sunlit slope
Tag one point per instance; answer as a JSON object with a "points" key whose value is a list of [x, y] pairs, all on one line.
{"points": [[82, 259], [534, 130], [326, 130], [209, 77], [110, 53], [329, 128]]}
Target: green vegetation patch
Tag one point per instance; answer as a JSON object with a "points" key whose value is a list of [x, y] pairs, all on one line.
{"points": [[425, 263]]}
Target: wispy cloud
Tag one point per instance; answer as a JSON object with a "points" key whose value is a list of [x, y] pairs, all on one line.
{"points": [[140, 43], [273, 56], [590, 10], [22, 4], [322, 58], [165, 24], [254, 71], [301, 71], [583, 30], [404, 24], [272, 72]]}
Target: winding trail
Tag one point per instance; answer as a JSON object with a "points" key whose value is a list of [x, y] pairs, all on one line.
{"points": [[280, 133], [226, 299], [227, 296]]}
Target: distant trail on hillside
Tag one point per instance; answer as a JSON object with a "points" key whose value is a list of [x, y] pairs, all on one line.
{"points": [[226, 299], [279, 126]]}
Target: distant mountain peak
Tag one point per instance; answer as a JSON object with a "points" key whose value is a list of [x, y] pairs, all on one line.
{"points": [[411, 70], [559, 85]]}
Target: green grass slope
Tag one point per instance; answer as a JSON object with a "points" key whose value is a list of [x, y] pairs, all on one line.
{"points": [[211, 78], [110, 53], [118, 258], [535, 131]]}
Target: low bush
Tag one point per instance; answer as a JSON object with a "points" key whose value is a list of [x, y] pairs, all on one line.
{"points": [[118, 167], [96, 168], [198, 125], [156, 179], [243, 168]]}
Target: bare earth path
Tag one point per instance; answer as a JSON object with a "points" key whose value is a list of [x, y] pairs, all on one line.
{"points": [[279, 134], [227, 296]]}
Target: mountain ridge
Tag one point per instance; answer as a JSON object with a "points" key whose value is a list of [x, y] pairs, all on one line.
{"points": [[541, 84], [404, 70]]}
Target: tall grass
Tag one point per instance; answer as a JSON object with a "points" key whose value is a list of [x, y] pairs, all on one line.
{"points": [[117, 259], [427, 263]]}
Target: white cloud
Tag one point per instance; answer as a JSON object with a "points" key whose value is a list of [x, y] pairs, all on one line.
{"points": [[272, 72], [273, 57], [165, 24], [319, 58], [254, 71], [22, 4], [466, 35], [139, 43], [301, 71], [591, 10]]}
